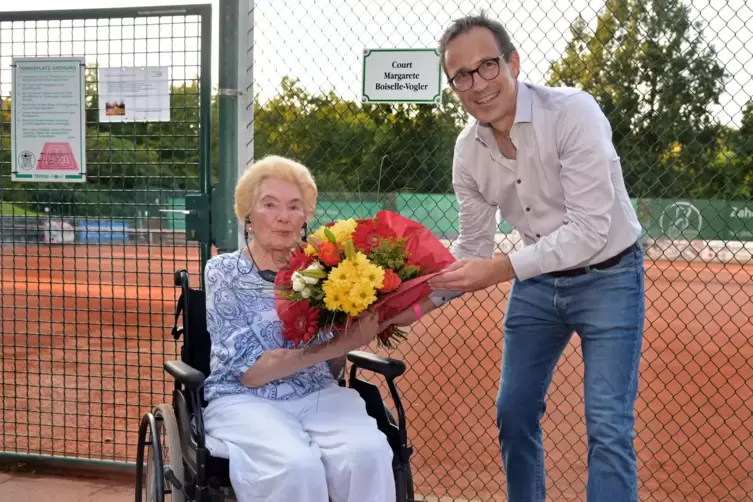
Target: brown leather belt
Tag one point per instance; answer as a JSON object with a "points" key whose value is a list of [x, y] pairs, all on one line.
{"points": [[609, 262]]}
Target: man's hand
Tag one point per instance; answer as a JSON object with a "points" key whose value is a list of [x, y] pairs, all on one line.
{"points": [[473, 274]]}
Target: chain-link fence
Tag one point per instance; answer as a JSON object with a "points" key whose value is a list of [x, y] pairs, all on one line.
{"points": [[675, 82], [86, 268]]}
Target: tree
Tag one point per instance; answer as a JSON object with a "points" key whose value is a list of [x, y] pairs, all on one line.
{"points": [[347, 145], [655, 77]]}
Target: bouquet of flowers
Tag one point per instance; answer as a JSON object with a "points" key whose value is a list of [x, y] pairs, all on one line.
{"points": [[348, 266]]}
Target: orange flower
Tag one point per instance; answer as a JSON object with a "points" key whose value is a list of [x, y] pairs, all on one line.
{"points": [[391, 281], [329, 254]]}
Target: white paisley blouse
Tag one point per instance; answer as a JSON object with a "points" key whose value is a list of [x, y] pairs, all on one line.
{"points": [[243, 323]]}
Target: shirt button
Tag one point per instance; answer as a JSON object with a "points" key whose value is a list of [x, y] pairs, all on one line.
{"points": [[519, 182], [538, 235], [528, 209]]}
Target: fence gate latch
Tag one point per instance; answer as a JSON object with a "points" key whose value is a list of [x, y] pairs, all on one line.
{"points": [[197, 217]]}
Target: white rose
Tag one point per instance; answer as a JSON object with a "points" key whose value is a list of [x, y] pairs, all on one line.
{"points": [[299, 282], [310, 280], [306, 292]]}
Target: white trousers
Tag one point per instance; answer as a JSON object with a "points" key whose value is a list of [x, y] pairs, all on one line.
{"points": [[319, 448]]}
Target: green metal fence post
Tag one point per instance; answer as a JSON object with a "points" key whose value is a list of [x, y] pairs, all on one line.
{"points": [[224, 223], [205, 139]]}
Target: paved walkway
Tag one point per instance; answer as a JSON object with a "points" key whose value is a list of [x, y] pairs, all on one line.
{"points": [[39, 488]]}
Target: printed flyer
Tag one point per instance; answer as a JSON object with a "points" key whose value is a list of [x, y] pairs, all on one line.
{"points": [[134, 94]]}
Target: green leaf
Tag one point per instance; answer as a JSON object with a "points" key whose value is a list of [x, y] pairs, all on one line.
{"points": [[330, 235]]}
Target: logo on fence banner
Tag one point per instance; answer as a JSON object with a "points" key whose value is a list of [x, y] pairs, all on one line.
{"points": [[741, 212], [681, 220]]}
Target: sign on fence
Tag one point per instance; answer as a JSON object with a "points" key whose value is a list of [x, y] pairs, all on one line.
{"points": [[689, 220], [134, 94], [401, 76], [48, 125]]}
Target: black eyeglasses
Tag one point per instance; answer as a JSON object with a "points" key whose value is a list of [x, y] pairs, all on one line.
{"points": [[488, 70]]}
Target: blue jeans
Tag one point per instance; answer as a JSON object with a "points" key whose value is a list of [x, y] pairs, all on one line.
{"points": [[606, 308]]}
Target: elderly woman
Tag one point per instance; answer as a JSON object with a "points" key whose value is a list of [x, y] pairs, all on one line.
{"points": [[292, 432]]}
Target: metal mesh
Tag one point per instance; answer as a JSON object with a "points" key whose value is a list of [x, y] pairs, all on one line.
{"points": [[674, 84], [86, 306]]}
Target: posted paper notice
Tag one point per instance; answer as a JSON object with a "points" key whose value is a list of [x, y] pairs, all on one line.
{"points": [[134, 94], [48, 120]]}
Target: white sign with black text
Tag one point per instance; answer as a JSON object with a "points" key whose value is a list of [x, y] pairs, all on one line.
{"points": [[139, 94], [401, 76]]}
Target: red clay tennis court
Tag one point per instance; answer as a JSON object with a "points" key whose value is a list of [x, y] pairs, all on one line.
{"points": [[86, 330]]}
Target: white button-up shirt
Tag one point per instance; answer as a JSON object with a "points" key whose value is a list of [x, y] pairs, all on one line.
{"points": [[565, 193]]}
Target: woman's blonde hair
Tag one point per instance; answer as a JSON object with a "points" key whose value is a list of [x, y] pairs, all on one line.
{"points": [[274, 166]]}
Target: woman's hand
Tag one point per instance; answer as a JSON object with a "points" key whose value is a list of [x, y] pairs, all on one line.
{"points": [[279, 363], [361, 331]]}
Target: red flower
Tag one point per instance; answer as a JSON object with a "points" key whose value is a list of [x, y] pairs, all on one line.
{"points": [[391, 336], [387, 333], [298, 261], [369, 234], [329, 254], [391, 281], [300, 322]]}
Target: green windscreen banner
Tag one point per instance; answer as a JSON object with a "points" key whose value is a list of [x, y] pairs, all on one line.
{"points": [[674, 219], [698, 219]]}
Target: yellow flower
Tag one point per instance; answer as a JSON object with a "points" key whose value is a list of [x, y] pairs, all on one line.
{"points": [[335, 294], [341, 273], [360, 260], [319, 234], [343, 230], [351, 285], [351, 308], [362, 294]]}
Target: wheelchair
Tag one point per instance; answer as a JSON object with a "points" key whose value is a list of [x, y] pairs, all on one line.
{"points": [[171, 438]]}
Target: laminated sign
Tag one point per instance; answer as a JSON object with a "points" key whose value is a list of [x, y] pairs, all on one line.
{"points": [[48, 121], [401, 76]]}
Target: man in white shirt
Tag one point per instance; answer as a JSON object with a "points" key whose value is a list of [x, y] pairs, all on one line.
{"points": [[544, 156]]}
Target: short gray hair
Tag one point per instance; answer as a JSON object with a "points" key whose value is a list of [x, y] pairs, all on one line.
{"points": [[465, 24]]}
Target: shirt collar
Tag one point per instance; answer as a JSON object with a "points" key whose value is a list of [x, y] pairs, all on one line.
{"points": [[523, 113]]}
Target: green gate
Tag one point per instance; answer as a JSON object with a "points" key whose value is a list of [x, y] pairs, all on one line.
{"points": [[86, 268]]}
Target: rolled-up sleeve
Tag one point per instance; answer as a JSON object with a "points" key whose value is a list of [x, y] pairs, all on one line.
{"points": [[584, 143], [477, 221]]}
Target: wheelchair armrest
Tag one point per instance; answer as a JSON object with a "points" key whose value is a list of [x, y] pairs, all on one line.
{"points": [[390, 368], [190, 377]]}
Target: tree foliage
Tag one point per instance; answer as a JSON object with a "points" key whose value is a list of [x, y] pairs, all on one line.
{"points": [[646, 63], [656, 79], [347, 145]]}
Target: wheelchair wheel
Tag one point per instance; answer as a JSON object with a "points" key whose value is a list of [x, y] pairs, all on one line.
{"points": [[159, 444], [172, 454], [149, 450]]}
